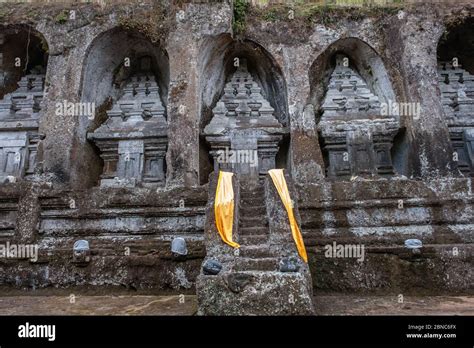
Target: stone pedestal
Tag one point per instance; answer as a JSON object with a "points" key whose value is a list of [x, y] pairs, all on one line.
{"points": [[253, 293]]}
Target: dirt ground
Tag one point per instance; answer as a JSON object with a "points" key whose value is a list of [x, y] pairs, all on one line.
{"points": [[327, 304], [341, 304]]}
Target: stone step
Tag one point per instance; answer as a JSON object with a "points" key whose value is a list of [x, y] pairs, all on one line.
{"points": [[252, 221], [250, 207], [261, 264], [257, 201], [253, 240], [253, 194], [251, 187], [255, 251], [253, 231], [253, 211]]}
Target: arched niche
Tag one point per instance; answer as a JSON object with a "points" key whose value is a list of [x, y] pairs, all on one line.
{"points": [[217, 66], [23, 51], [104, 65], [362, 57], [23, 64], [349, 149], [112, 61], [455, 56], [458, 42]]}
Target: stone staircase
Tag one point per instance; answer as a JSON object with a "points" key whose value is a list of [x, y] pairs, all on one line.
{"points": [[254, 253], [250, 280]]}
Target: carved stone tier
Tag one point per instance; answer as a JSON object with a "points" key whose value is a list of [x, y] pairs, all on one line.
{"points": [[133, 140], [244, 133], [20, 112], [457, 92], [357, 137]]}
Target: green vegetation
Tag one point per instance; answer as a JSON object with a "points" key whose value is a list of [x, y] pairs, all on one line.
{"points": [[155, 23], [241, 8], [271, 16], [324, 12], [3, 13], [62, 17]]}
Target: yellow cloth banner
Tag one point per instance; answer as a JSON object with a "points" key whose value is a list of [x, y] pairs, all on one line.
{"points": [[224, 208], [280, 184]]}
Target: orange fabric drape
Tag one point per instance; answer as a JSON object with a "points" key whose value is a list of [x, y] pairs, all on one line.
{"points": [[224, 208], [280, 183]]}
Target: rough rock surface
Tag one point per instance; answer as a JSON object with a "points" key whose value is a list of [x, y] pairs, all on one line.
{"points": [[256, 293], [129, 230]]}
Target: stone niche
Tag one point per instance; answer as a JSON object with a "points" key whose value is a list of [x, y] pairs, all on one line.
{"points": [[134, 138], [244, 134], [356, 137], [457, 92], [20, 112], [8, 214]]}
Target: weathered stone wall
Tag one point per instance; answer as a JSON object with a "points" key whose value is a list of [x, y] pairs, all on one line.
{"points": [[129, 232], [291, 58], [437, 212]]}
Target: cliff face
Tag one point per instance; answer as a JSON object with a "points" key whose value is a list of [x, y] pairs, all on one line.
{"points": [[90, 53]]}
